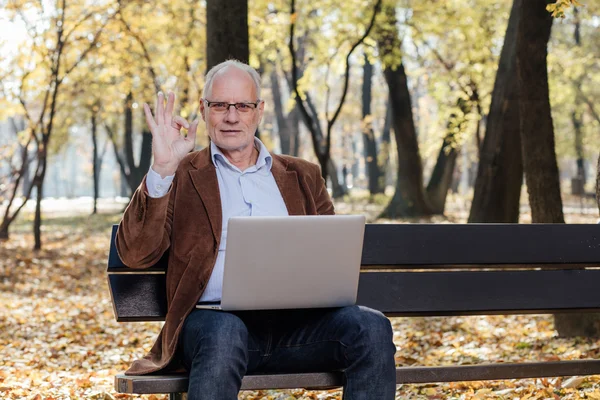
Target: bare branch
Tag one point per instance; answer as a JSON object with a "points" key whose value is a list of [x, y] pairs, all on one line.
{"points": [[294, 82], [347, 75], [86, 51], [78, 24], [28, 25], [582, 95], [120, 161], [33, 126], [137, 37], [328, 91], [7, 218], [448, 66], [589, 103]]}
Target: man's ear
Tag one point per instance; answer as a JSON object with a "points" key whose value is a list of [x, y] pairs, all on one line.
{"points": [[202, 109], [261, 110]]}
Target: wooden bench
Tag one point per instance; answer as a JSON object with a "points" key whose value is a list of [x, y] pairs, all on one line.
{"points": [[423, 270]]}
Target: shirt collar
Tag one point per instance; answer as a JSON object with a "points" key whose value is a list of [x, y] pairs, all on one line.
{"points": [[264, 157]]}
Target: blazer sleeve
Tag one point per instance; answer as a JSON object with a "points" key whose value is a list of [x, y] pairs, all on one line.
{"points": [[144, 232], [323, 201]]}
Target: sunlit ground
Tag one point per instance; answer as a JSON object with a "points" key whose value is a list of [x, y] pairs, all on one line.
{"points": [[59, 339]]}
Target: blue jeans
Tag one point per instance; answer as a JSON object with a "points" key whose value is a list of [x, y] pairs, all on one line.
{"points": [[218, 348]]}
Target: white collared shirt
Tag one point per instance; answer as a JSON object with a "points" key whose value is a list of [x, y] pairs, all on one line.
{"points": [[252, 192]]}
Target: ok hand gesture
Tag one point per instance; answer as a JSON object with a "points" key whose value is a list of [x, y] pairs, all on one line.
{"points": [[169, 145]]}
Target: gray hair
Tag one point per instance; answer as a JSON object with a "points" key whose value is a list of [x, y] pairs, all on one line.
{"points": [[210, 76]]}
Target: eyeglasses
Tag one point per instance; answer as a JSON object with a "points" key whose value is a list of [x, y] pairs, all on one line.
{"points": [[221, 107]]}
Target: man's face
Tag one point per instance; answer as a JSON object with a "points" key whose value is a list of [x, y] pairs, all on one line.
{"points": [[232, 130]]}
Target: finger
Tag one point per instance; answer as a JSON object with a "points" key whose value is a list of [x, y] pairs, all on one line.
{"points": [[179, 122], [160, 109], [149, 118], [191, 136], [170, 105]]}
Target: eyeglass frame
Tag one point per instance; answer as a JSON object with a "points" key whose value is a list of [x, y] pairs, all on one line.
{"points": [[208, 103]]}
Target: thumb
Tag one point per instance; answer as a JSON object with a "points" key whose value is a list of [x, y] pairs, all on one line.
{"points": [[182, 122]]}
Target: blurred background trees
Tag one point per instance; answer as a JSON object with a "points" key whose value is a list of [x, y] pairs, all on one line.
{"points": [[404, 102]]}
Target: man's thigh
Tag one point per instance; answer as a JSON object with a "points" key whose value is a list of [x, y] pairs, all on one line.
{"points": [[317, 340]]}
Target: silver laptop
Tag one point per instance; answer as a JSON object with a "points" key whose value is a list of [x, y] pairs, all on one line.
{"points": [[291, 262]]}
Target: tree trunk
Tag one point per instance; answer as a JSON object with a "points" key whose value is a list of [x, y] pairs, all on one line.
{"points": [[441, 177], [134, 173], [338, 189], [541, 168], [583, 324], [537, 132], [577, 119], [95, 166], [368, 134], [226, 31], [124, 186], [37, 222], [443, 172], [580, 178], [409, 198], [18, 125], [4, 229], [282, 124], [39, 185], [21, 174], [294, 117], [500, 172], [26, 187], [384, 148], [145, 158], [293, 123], [128, 139], [43, 164], [124, 174]]}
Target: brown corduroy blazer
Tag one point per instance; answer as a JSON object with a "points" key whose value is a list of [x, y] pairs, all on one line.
{"points": [[187, 222]]}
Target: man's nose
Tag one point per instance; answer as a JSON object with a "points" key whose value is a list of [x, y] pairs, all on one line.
{"points": [[232, 115]]}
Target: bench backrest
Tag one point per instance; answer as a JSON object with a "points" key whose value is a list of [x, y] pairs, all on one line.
{"points": [[435, 269]]}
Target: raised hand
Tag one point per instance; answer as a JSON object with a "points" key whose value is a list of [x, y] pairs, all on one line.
{"points": [[169, 145]]}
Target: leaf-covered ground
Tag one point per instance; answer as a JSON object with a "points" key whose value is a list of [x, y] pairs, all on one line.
{"points": [[59, 339]]}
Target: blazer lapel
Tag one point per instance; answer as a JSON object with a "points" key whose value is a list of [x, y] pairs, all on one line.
{"points": [[205, 181], [288, 184]]}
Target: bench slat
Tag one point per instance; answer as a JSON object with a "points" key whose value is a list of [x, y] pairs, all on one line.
{"points": [[497, 371], [419, 245], [178, 383], [149, 384], [138, 297], [480, 293], [464, 244]]}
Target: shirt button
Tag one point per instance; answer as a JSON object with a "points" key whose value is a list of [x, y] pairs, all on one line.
{"points": [[159, 186]]}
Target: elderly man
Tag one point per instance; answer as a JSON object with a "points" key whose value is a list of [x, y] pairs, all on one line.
{"points": [[183, 206]]}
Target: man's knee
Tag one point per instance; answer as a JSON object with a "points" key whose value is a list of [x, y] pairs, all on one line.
{"points": [[366, 327]]}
